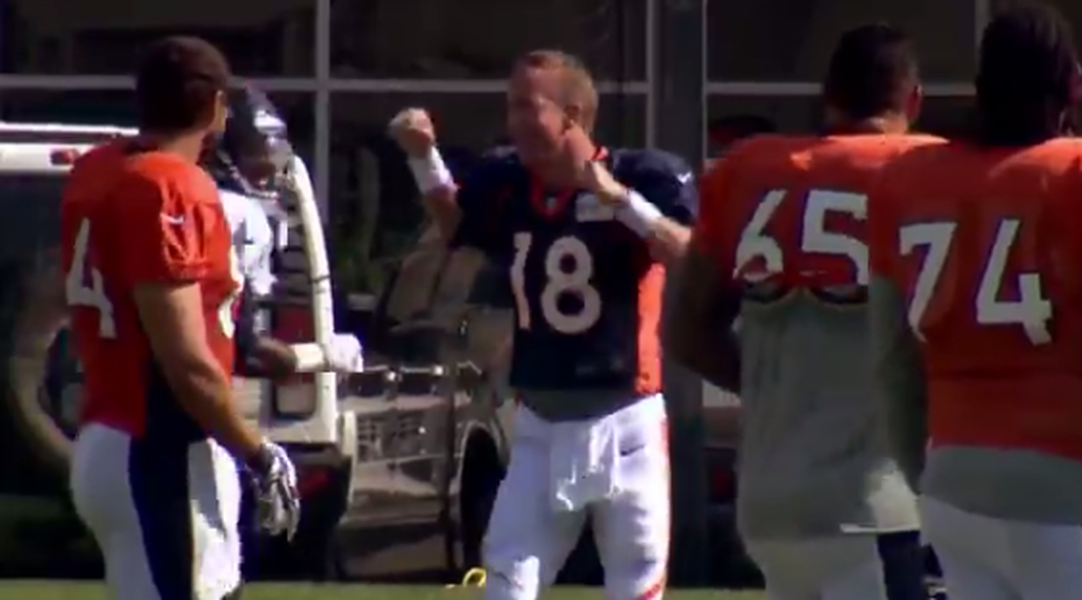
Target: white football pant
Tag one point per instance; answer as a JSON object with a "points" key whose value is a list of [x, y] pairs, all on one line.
{"points": [[985, 558], [613, 469], [886, 566], [165, 516]]}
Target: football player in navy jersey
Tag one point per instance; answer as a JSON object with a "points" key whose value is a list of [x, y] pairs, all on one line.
{"points": [[584, 232]]}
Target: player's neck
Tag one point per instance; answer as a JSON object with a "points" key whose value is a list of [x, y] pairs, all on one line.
{"points": [[557, 175], [187, 145], [885, 124]]}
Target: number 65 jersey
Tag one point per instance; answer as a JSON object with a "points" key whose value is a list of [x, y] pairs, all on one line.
{"points": [[587, 293], [983, 248], [785, 221]]}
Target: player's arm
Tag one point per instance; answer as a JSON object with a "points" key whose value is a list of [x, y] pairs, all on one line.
{"points": [[259, 355], [412, 128], [659, 205], [166, 258], [900, 385], [899, 377], [465, 213], [700, 330]]}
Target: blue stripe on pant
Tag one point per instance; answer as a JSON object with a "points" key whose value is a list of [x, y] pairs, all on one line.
{"points": [[160, 491]]}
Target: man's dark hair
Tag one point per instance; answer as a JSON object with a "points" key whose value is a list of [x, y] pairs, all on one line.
{"points": [[871, 70], [1027, 76], [177, 83]]}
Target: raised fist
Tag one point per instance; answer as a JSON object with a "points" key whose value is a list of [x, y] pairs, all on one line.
{"points": [[413, 130]]}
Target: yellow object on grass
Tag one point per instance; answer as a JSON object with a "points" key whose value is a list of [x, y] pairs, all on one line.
{"points": [[475, 577]]}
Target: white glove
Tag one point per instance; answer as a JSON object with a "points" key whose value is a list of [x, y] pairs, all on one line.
{"points": [[344, 354], [278, 501]]}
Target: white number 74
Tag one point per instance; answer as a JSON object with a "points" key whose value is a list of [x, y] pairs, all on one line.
{"points": [[1031, 310]]}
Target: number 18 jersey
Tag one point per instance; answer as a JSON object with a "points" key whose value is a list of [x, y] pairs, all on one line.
{"points": [[132, 217], [587, 292]]}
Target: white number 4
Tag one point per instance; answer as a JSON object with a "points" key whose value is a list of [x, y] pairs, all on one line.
{"points": [[92, 296], [1031, 310]]}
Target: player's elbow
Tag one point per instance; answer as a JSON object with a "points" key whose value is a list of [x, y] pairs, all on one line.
{"points": [[442, 206], [679, 338], [670, 241], [172, 318]]}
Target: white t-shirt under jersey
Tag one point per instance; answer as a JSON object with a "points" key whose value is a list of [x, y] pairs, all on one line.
{"points": [[253, 240]]}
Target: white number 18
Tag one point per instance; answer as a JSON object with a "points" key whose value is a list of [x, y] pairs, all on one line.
{"points": [[1031, 310], [575, 280]]}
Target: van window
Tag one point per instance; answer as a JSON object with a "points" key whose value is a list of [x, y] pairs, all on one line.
{"points": [[39, 187]]}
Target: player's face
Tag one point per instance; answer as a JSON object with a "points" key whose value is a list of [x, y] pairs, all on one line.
{"points": [[536, 121]]}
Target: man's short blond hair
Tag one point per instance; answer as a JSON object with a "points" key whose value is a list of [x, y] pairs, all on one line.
{"points": [[578, 83]]}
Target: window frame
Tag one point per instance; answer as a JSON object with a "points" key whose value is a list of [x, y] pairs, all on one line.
{"points": [[322, 84]]}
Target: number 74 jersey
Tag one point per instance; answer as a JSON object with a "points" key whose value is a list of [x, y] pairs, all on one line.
{"points": [[985, 246]]}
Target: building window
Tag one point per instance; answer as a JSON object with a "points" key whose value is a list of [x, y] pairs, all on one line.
{"points": [[478, 39], [88, 107], [376, 208], [791, 40], [260, 37]]}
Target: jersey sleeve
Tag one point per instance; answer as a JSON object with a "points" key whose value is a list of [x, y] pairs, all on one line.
{"points": [[669, 184], [168, 229], [480, 204]]}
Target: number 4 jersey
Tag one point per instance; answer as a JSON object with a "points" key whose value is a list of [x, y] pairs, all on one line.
{"points": [[784, 219], [587, 291], [983, 249], [131, 217]]}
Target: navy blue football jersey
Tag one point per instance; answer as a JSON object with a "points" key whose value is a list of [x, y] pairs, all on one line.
{"points": [[587, 293]]}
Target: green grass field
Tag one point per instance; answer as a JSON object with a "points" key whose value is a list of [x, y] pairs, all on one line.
{"points": [[43, 590]]}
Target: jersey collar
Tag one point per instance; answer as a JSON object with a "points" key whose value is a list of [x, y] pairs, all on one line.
{"points": [[551, 203]]}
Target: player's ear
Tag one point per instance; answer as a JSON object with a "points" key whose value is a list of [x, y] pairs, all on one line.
{"points": [[573, 113], [914, 102], [221, 112]]}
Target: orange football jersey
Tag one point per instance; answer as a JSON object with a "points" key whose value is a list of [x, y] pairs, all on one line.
{"points": [[986, 245], [792, 211], [131, 217]]}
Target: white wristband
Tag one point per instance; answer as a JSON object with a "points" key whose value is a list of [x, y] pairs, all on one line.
{"points": [[430, 172], [639, 214], [310, 358]]}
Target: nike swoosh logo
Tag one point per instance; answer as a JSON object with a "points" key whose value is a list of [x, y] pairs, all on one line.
{"points": [[173, 219], [686, 177]]}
